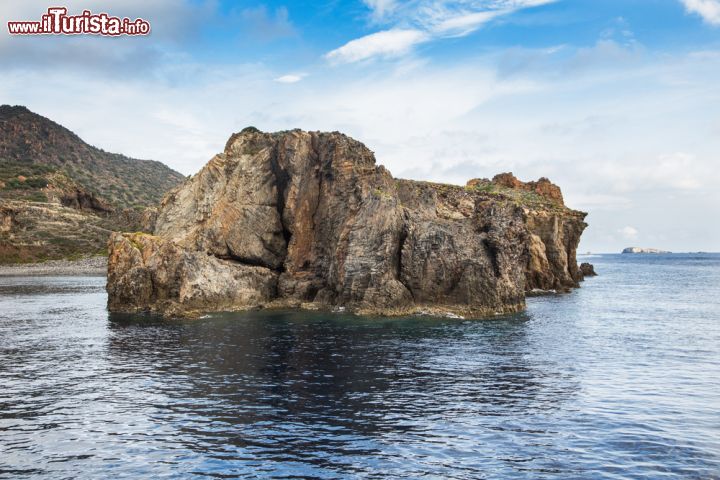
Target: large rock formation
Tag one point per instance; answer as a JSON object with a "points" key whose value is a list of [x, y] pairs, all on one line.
{"points": [[307, 219]]}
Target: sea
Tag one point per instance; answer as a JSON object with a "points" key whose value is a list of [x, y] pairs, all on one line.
{"points": [[619, 379]]}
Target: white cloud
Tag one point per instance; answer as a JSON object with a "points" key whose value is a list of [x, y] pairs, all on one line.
{"points": [[709, 10], [380, 8], [677, 170], [420, 21], [629, 233], [681, 172], [290, 78], [633, 145], [388, 43], [464, 24]]}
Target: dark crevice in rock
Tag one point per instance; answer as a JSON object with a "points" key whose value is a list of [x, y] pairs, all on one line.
{"points": [[398, 272], [251, 262], [316, 153], [282, 181], [401, 244], [493, 256], [231, 257], [153, 286], [81, 200], [269, 248]]}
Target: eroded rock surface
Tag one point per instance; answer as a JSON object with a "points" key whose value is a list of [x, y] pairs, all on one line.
{"points": [[307, 219]]}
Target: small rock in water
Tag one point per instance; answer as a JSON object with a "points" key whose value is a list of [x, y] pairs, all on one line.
{"points": [[588, 270]]}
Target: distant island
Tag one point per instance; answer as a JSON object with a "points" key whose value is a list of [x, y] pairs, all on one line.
{"points": [[644, 250]]}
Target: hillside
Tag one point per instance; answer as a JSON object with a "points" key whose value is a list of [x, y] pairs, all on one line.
{"points": [[41, 160], [62, 198], [38, 231]]}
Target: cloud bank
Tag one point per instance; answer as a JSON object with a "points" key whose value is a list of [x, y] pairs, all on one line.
{"points": [[417, 22], [709, 10], [630, 134]]}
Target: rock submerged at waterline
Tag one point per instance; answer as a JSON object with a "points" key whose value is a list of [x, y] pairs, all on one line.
{"points": [[308, 220]]}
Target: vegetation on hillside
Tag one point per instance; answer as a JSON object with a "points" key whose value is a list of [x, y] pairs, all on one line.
{"points": [[518, 196], [60, 197], [33, 148]]}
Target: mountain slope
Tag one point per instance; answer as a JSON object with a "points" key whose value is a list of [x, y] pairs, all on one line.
{"points": [[40, 159], [60, 197]]}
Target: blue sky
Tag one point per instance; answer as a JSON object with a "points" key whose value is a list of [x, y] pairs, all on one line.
{"points": [[317, 29], [616, 101]]}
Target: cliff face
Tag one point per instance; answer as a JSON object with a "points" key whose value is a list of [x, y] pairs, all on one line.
{"points": [[308, 219], [554, 237]]}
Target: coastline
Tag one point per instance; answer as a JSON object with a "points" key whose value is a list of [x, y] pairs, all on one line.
{"points": [[89, 266]]}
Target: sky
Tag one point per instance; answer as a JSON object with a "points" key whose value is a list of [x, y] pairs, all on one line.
{"points": [[616, 101]]}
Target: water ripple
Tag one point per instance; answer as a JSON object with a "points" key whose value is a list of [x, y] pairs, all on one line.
{"points": [[616, 380]]}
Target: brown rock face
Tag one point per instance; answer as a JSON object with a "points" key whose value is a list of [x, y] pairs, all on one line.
{"points": [[554, 237], [307, 219], [150, 273], [82, 200]]}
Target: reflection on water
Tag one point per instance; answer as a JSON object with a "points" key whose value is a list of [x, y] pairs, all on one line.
{"points": [[615, 380]]}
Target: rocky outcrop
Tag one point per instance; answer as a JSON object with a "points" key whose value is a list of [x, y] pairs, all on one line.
{"points": [[307, 219], [554, 237], [542, 187], [82, 200], [150, 273], [553, 230], [587, 270]]}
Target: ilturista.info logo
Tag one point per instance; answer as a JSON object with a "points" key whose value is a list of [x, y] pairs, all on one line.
{"points": [[57, 22]]}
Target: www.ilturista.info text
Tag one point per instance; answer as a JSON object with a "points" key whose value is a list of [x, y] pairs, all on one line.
{"points": [[57, 22]]}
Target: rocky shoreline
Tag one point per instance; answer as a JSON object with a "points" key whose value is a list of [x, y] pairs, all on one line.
{"points": [[89, 266]]}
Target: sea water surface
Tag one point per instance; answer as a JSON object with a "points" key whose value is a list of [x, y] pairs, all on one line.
{"points": [[619, 379]]}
